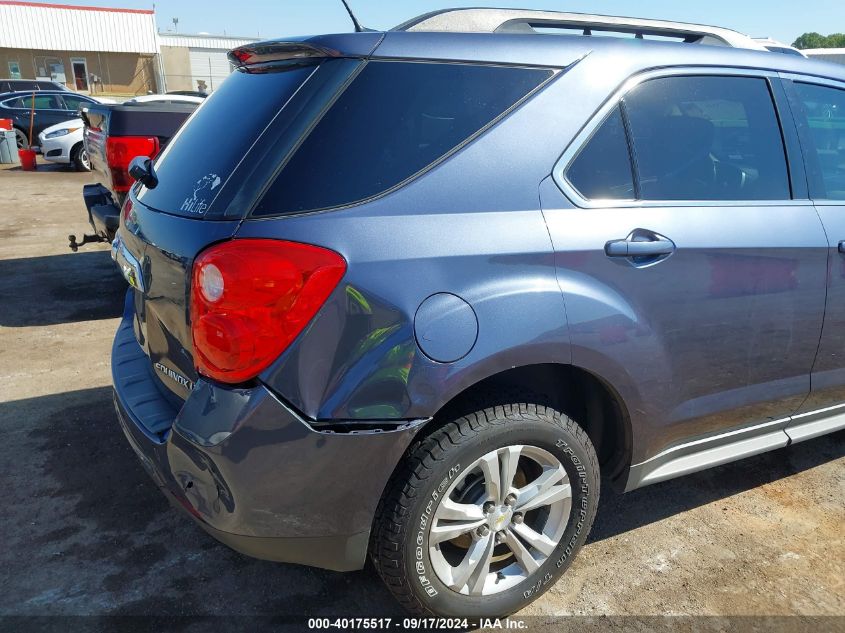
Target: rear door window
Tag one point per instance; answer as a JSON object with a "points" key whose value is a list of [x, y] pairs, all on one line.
{"points": [[73, 103], [824, 108], [707, 138], [393, 121]]}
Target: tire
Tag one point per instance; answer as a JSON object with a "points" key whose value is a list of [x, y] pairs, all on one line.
{"points": [[413, 515], [20, 136], [79, 158]]}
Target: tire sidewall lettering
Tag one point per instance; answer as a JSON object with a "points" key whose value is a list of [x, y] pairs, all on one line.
{"points": [[422, 525]]}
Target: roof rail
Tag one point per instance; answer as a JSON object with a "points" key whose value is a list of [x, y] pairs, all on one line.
{"points": [[484, 20]]}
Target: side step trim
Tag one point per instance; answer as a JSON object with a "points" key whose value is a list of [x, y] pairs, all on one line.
{"points": [[806, 426], [727, 447]]}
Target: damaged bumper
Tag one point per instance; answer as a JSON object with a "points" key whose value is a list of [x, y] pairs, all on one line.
{"points": [[250, 470]]}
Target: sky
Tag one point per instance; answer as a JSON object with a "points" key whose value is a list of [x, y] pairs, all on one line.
{"points": [[781, 19]]}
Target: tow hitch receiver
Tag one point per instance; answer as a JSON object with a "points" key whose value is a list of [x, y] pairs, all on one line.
{"points": [[86, 239]]}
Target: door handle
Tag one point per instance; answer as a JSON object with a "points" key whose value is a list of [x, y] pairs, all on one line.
{"points": [[629, 247]]}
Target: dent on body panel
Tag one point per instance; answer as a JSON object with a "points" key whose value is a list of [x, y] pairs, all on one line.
{"points": [[352, 361], [360, 360], [382, 373]]}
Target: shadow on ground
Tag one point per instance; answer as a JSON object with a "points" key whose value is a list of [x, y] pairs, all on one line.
{"points": [[87, 532], [57, 289]]}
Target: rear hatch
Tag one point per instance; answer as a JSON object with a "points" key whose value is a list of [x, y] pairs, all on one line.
{"points": [[206, 176]]}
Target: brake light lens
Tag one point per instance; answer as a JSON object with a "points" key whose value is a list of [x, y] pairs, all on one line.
{"points": [[251, 298], [128, 212], [120, 150]]}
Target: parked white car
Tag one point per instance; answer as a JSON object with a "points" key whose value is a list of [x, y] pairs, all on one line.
{"points": [[62, 143], [165, 98]]}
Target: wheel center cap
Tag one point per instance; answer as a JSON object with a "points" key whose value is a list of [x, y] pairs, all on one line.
{"points": [[500, 518]]}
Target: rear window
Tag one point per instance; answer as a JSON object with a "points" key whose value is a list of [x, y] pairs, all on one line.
{"points": [[200, 158], [393, 121]]}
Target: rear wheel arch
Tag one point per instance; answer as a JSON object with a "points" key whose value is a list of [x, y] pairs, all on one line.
{"points": [[585, 397]]}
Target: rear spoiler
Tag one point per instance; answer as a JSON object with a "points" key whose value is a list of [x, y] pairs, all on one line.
{"points": [[321, 46]]}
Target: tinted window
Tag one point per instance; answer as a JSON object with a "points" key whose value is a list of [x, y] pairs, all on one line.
{"points": [[707, 138], [23, 85], [394, 120], [42, 102], [73, 103], [206, 150], [602, 170], [825, 110]]}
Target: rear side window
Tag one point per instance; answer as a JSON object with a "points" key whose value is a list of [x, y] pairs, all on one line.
{"points": [[194, 167], [825, 111], [602, 169], [74, 103], [707, 138], [394, 120]]}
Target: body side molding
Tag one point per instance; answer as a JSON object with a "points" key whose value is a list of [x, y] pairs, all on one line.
{"points": [[737, 444]]}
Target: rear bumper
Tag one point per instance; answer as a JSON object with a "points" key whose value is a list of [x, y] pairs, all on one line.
{"points": [[274, 488], [103, 212]]}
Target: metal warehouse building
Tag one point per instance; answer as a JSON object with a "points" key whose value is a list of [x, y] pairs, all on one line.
{"points": [[90, 49], [836, 55], [113, 51], [197, 62]]}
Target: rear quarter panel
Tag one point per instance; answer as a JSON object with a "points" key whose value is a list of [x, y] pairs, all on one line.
{"points": [[472, 227]]}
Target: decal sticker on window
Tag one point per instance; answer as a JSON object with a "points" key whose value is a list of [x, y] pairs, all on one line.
{"points": [[198, 202]]}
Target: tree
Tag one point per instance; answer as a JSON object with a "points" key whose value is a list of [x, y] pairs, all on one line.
{"points": [[816, 40]]}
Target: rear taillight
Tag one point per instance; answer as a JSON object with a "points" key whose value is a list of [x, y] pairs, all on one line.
{"points": [[127, 211], [251, 298], [120, 150]]}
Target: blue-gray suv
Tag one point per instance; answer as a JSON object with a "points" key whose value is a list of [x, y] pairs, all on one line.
{"points": [[412, 294]]}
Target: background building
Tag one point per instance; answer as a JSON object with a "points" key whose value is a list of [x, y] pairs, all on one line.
{"points": [[89, 49], [107, 51], [836, 55], [191, 62]]}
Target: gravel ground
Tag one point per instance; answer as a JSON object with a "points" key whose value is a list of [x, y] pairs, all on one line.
{"points": [[85, 532]]}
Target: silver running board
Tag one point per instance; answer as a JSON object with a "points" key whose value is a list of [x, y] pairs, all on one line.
{"points": [[806, 426], [734, 445]]}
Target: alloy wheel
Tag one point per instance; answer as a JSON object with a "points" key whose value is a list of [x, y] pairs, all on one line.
{"points": [[500, 520]]}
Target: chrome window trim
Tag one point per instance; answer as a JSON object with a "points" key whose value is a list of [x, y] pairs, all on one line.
{"points": [[598, 118], [826, 83]]}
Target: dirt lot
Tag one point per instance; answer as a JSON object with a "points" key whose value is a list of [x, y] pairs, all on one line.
{"points": [[85, 532]]}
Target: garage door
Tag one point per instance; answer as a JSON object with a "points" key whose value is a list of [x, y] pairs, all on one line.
{"points": [[209, 65]]}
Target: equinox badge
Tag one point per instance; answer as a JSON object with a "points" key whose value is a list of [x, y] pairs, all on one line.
{"points": [[175, 376]]}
